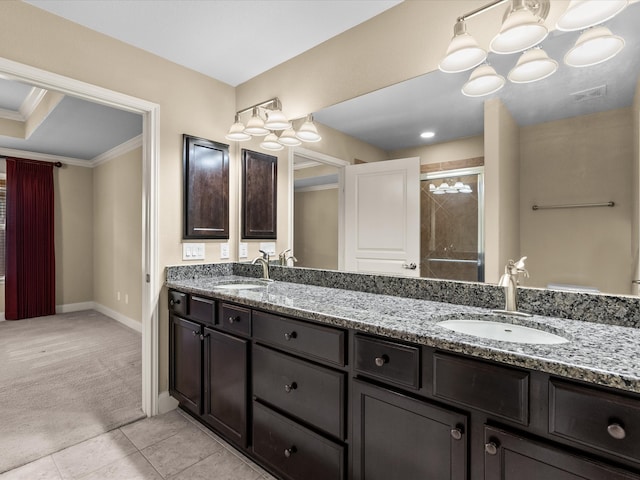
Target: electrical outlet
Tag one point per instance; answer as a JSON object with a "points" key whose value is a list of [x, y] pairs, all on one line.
{"points": [[243, 250], [269, 247], [118, 296], [126, 298], [224, 250]]}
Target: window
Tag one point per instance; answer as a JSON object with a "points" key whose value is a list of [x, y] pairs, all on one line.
{"points": [[3, 223]]}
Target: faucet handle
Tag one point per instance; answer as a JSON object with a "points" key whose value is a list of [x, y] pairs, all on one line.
{"points": [[265, 255], [520, 263]]}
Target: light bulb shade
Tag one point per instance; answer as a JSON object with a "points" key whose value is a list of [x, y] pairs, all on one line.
{"points": [[255, 125], [581, 14], [483, 81], [521, 30], [308, 131], [237, 133], [463, 52], [594, 46], [533, 65], [288, 138], [270, 142], [276, 120]]}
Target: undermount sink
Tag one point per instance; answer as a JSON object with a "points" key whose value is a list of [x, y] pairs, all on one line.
{"points": [[505, 332], [240, 286]]}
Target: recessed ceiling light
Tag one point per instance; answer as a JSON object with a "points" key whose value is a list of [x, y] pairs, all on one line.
{"points": [[427, 134]]}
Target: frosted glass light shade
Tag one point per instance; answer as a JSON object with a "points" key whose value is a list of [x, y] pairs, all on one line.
{"points": [[270, 142], [255, 125], [521, 30], [276, 120], [237, 133], [483, 81], [594, 46], [288, 138], [308, 131], [581, 14], [533, 65], [463, 52]]}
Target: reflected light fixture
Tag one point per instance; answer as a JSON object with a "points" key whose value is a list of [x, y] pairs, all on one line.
{"points": [[276, 119], [270, 142], [522, 29], [463, 52], [444, 187], [308, 131], [594, 46], [255, 125], [581, 14], [236, 132], [483, 81], [533, 65], [288, 138]]}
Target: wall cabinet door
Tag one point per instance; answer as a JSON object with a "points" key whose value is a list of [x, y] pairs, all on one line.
{"points": [[225, 384], [511, 457], [185, 363], [396, 437]]}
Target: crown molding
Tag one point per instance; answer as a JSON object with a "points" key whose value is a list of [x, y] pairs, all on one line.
{"points": [[305, 164], [43, 157], [316, 188], [117, 151], [11, 115], [31, 102]]}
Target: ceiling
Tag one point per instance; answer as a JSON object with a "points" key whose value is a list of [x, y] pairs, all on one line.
{"points": [[393, 118], [263, 34]]}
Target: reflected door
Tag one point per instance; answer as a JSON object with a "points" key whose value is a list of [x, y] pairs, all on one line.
{"points": [[451, 240]]}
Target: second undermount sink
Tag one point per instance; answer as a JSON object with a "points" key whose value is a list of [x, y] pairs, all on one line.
{"points": [[505, 332]]}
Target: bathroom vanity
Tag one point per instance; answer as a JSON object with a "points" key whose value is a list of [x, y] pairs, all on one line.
{"points": [[325, 383]]}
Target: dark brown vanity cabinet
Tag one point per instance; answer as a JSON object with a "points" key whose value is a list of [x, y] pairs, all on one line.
{"points": [[185, 363]]}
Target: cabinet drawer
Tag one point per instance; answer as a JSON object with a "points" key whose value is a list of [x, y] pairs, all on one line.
{"points": [[292, 450], [389, 361], [500, 391], [601, 420], [178, 302], [322, 343], [202, 309], [235, 319], [309, 392]]}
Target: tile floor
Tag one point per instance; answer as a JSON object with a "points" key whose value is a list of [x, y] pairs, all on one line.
{"points": [[172, 446]]}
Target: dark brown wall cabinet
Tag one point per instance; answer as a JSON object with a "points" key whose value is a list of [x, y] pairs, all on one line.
{"points": [[206, 188], [259, 195]]}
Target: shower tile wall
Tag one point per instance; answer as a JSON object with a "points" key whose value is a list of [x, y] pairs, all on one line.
{"points": [[449, 231]]}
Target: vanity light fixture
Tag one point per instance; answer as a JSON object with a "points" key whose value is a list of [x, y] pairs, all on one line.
{"points": [[308, 131], [581, 14], [236, 132], [533, 65], [288, 138], [483, 81], [522, 29], [463, 52], [255, 125], [595, 45], [444, 187], [276, 119], [270, 142]]}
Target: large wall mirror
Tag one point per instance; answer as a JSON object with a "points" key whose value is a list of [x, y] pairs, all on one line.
{"points": [[576, 145]]}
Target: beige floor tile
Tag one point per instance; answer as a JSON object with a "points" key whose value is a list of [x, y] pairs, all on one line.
{"points": [[220, 466], [86, 457], [182, 450], [133, 467], [155, 429], [43, 469]]}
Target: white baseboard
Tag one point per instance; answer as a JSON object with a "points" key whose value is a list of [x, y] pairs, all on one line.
{"points": [[166, 403], [75, 307], [129, 322]]}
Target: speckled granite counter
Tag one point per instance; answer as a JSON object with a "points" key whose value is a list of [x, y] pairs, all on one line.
{"points": [[598, 353]]}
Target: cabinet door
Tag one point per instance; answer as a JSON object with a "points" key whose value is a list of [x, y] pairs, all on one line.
{"points": [[511, 457], [185, 363], [396, 437], [225, 384]]}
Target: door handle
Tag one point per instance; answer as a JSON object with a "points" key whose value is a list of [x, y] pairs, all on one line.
{"points": [[409, 266]]}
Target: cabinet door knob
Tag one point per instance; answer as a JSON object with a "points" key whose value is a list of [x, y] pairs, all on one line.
{"points": [[195, 334], [381, 360], [456, 433], [291, 386], [616, 431], [290, 451], [289, 336], [233, 319], [173, 302], [491, 448]]}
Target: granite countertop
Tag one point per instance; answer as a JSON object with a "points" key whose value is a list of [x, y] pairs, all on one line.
{"points": [[598, 353]]}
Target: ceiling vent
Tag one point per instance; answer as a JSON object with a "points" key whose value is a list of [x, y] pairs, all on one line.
{"points": [[590, 94]]}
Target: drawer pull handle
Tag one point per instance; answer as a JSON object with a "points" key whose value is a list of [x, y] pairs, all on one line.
{"points": [[234, 319], [491, 448], [616, 431], [291, 386], [290, 451], [381, 360], [456, 433], [290, 336], [173, 302]]}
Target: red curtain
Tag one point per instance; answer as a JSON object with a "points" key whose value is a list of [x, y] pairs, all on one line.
{"points": [[30, 277]]}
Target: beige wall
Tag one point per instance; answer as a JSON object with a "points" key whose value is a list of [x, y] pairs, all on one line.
{"points": [[458, 149], [586, 159], [117, 234], [316, 228]]}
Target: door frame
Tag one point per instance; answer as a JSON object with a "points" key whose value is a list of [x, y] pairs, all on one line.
{"points": [[150, 164], [327, 160]]}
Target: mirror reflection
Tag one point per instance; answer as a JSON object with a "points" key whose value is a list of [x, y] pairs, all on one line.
{"points": [[570, 140]]}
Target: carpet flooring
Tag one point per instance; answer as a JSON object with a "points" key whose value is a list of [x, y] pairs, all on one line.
{"points": [[64, 379]]}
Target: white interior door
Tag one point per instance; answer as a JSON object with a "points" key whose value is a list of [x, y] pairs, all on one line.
{"points": [[382, 217]]}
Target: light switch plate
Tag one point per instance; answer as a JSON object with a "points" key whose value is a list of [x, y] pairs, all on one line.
{"points": [[224, 250], [193, 251], [269, 247], [243, 250]]}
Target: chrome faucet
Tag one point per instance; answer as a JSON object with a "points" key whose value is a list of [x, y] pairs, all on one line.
{"points": [[509, 280], [284, 259], [264, 261]]}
